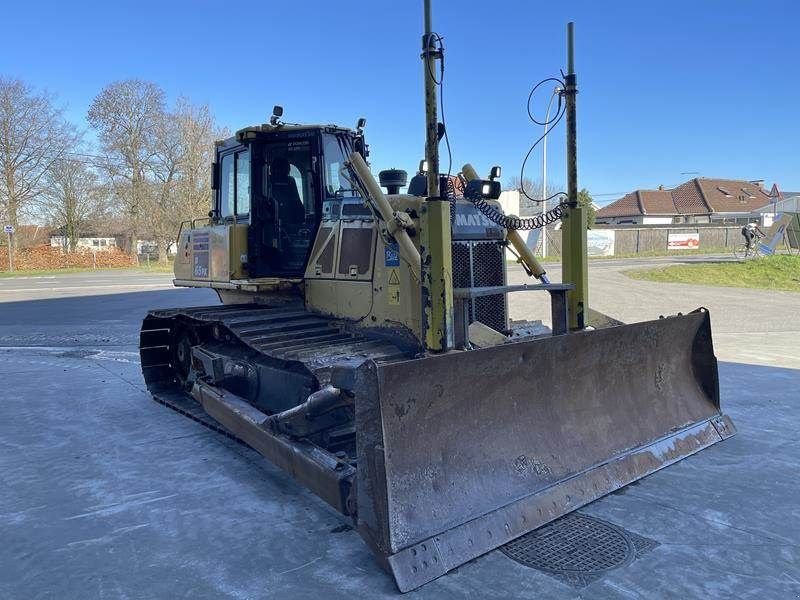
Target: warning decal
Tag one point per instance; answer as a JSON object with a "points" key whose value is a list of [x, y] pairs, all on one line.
{"points": [[394, 286]]}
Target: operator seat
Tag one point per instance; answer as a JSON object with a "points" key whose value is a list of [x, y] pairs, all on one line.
{"points": [[284, 192]]}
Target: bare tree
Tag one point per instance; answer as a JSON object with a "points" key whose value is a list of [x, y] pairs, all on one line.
{"points": [[180, 175], [72, 199], [33, 136], [126, 116], [532, 188], [158, 160], [198, 133], [163, 200]]}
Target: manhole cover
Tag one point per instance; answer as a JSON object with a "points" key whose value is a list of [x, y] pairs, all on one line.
{"points": [[577, 549]]}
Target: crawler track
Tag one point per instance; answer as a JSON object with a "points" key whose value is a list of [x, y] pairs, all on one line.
{"points": [[294, 341]]}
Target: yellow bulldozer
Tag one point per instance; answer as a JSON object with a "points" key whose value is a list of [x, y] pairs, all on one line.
{"points": [[363, 345]]}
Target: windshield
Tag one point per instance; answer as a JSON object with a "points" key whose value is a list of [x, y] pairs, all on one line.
{"points": [[336, 149]]}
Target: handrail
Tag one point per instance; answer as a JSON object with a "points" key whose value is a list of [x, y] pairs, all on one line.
{"points": [[192, 225]]}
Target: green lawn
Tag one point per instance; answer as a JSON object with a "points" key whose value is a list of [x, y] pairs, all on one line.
{"points": [[153, 267], [771, 273]]}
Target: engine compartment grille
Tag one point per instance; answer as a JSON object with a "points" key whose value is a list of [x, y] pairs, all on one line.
{"points": [[482, 264]]}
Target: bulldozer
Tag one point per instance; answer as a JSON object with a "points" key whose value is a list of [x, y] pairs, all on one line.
{"points": [[363, 345]]}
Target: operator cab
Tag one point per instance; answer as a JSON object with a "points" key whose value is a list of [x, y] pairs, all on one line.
{"points": [[275, 178]]}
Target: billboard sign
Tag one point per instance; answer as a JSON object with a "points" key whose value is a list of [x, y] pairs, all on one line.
{"points": [[600, 242], [683, 241]]}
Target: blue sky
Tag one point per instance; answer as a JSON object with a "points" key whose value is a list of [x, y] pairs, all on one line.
{"points": [[665, 87]]}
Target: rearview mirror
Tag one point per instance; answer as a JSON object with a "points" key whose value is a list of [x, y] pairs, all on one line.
{"points": [[214, 175]]}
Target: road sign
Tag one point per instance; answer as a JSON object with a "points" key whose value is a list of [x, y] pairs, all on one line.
{"points": [[8, 228]]}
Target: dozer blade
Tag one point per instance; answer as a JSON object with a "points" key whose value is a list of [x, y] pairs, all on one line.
{"points": [[463, 452]]}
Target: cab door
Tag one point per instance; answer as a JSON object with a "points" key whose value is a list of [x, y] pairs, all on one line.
{"points": [[291, 204]]}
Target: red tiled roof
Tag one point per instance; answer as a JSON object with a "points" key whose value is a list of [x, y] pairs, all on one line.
{"points": [[657, 202], [732, 195], [699, 196], [626, 206], [640, 202], [689, 199]]}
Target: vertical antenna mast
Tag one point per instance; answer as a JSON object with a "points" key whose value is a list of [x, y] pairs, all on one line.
{"points": [[574, 262], [429, 57], [435, 239]]}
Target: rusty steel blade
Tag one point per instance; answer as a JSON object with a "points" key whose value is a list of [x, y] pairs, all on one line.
{"points": [[462, 452]]}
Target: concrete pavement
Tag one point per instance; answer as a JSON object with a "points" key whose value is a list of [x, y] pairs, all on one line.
{"points": [[106, 494]]}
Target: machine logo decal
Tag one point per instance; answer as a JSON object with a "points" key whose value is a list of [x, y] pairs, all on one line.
{"points": [[391, 255]]}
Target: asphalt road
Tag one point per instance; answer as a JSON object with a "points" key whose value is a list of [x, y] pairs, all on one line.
{"points": [[106, 494]]}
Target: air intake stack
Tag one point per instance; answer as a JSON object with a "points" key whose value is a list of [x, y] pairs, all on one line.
{"points": [[393, 180]]}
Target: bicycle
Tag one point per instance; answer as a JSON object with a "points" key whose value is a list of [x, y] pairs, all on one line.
{"points": [[743, 252]]}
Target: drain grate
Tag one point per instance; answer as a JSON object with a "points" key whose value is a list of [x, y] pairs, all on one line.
{"points": [[578, 549]]}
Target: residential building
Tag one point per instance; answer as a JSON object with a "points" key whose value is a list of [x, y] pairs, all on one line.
{"points": [[91, 241], [699, 200], [641, 207]]}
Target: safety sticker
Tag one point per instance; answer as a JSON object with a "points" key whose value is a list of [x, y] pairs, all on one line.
{"points": [[394, 286]]}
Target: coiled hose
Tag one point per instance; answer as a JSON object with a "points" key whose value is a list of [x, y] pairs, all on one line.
{"points": [[516, 223]]}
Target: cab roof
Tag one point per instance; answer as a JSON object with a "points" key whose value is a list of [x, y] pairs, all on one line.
{"points": [[255, 131]]}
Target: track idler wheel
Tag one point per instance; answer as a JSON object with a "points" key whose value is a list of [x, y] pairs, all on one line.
{"points": [[184, 340]]}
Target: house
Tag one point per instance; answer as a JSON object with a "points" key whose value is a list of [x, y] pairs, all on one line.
{"points": [[699, 200], [641, 207], [92, 241], [719, 200]]}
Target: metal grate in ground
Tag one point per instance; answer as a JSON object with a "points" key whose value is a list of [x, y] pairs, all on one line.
{"points": [[578, 549]]}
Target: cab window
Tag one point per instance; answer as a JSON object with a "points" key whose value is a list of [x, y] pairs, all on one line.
{"points": [[234, 190], [227, 187], [335, 156], [295, 174], [242, 183]]}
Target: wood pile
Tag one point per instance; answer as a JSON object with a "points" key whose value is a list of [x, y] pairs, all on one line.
{"points": [[47, 258]]}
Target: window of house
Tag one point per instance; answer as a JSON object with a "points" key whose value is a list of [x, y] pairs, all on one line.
{"points": [[103, 242], [724, 191], [748, 193]]}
